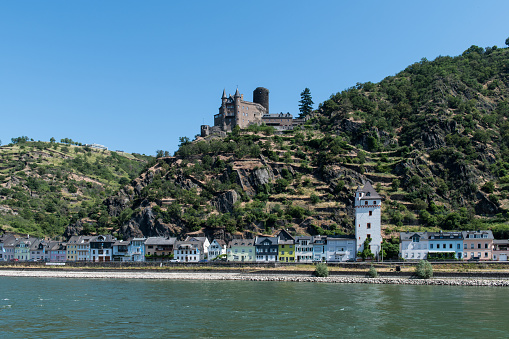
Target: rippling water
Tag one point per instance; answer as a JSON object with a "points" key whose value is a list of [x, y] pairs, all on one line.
{"points": [[64, 308]]}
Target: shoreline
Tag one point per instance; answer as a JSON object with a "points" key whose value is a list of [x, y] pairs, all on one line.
{"points": [[240, 276]]}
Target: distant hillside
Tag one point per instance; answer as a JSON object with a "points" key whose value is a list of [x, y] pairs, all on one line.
{"points": [[46, 186], [433, 140]]}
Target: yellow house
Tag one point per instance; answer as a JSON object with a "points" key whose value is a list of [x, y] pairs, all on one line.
{"points": [[286, 247]]}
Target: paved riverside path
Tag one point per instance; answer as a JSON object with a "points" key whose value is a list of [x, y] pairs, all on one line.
{"points": [[118, 274]]}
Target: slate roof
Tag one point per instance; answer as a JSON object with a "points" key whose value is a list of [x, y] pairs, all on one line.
{"points": [[408, 235], [241, 242], [161, 241], [369, 192], [272, 240], [471, 234]]}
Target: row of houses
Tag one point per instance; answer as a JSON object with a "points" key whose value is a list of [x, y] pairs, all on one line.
{"points": [[103, 248], [465, 245]]}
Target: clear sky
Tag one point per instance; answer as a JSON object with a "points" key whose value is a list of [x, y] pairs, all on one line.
{"points": [[137, 75]]}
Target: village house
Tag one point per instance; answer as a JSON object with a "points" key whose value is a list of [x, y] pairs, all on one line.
{"points": [[242, 250], [414, 245], [136, 249], [319, 248], [286, 247], [101, 248], [340, 249], [266, 249], [304, 249], [159, 247], [477, 245], [119, 250], [193, 249], [7, 242], [500, 250], [217, 247]]}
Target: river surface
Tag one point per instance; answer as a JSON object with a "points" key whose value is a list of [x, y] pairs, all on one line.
{"points": [[97, 308]]}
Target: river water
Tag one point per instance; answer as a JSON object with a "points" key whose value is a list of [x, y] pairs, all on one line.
{"points": [[72, 308]]}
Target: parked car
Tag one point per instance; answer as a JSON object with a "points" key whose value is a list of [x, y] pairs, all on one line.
{"points": [[174, 260]]}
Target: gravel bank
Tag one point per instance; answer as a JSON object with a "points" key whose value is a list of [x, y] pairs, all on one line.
{"points": [[249, 277]]}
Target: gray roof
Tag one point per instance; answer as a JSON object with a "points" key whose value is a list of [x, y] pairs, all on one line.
{"points": [[471, 234], [241, 242], [160, 241], [369, 192], [445, 235], [107, 238], [410, 235], [273, 240], [221, 242]]}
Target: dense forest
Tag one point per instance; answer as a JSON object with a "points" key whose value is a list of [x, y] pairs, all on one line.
{"points": [[433, 139]]}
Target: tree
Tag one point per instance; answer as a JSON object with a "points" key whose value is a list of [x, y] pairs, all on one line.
{"points": [[424, 270], [184, 141], [305, 103], [507, 41], [52, 140]]}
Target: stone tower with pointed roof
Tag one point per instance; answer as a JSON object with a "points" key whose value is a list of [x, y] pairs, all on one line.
{"points": [[234, 111], [368, 223]]}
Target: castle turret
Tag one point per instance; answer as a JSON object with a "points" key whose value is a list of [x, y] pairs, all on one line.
{"points": [[261, 96]]}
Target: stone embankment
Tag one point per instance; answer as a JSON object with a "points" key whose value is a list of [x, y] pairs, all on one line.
{"points": [[249, 277]]}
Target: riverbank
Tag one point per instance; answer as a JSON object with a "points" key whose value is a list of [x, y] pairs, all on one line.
{"points": [[249, 277]]}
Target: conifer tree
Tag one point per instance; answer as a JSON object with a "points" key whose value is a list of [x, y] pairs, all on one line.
{"points": [[305, 103]]}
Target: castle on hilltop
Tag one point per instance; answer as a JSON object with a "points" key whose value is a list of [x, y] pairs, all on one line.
{"points": [[235, 111]]}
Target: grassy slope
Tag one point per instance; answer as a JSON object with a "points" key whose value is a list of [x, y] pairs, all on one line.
{"points": [[45, 186]]}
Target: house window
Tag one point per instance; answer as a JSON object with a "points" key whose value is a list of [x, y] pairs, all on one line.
{"points": [[430, 246], [369, 225], [369, 236], [444, 246], [374, 202], [478, 245], [370, 213], [450, 245], [458, 247], [365, 203], [465, 246], [485, 245], [471, 246]]}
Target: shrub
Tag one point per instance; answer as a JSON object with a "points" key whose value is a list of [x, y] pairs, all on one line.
{"points": [[424, 270], [372, 272], [321, 270]]}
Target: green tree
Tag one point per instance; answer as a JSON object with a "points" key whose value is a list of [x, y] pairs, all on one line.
{"points": [[321, 270], [424, 270], [305, 103], [507, 41]]}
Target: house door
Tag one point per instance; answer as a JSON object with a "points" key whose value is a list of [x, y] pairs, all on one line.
{"points": [[101, 259]]}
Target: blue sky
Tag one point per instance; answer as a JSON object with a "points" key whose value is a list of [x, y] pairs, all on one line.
{"points": [[137, 75]]}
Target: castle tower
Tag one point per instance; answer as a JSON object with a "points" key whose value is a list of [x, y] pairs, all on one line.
{"points": [[368, 223], [261, 96]]}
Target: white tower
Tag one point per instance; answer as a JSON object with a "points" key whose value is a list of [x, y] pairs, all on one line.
{"points": [[368, 223]]}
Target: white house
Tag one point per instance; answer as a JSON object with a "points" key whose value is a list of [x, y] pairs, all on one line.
{"points": [[193, 249], [304, 249], [217, 247], [368, 223], [414, 245], [340, 249]]}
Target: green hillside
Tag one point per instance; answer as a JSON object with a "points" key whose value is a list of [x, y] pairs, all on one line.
{"points": [[433, 139], [45, 186]]}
